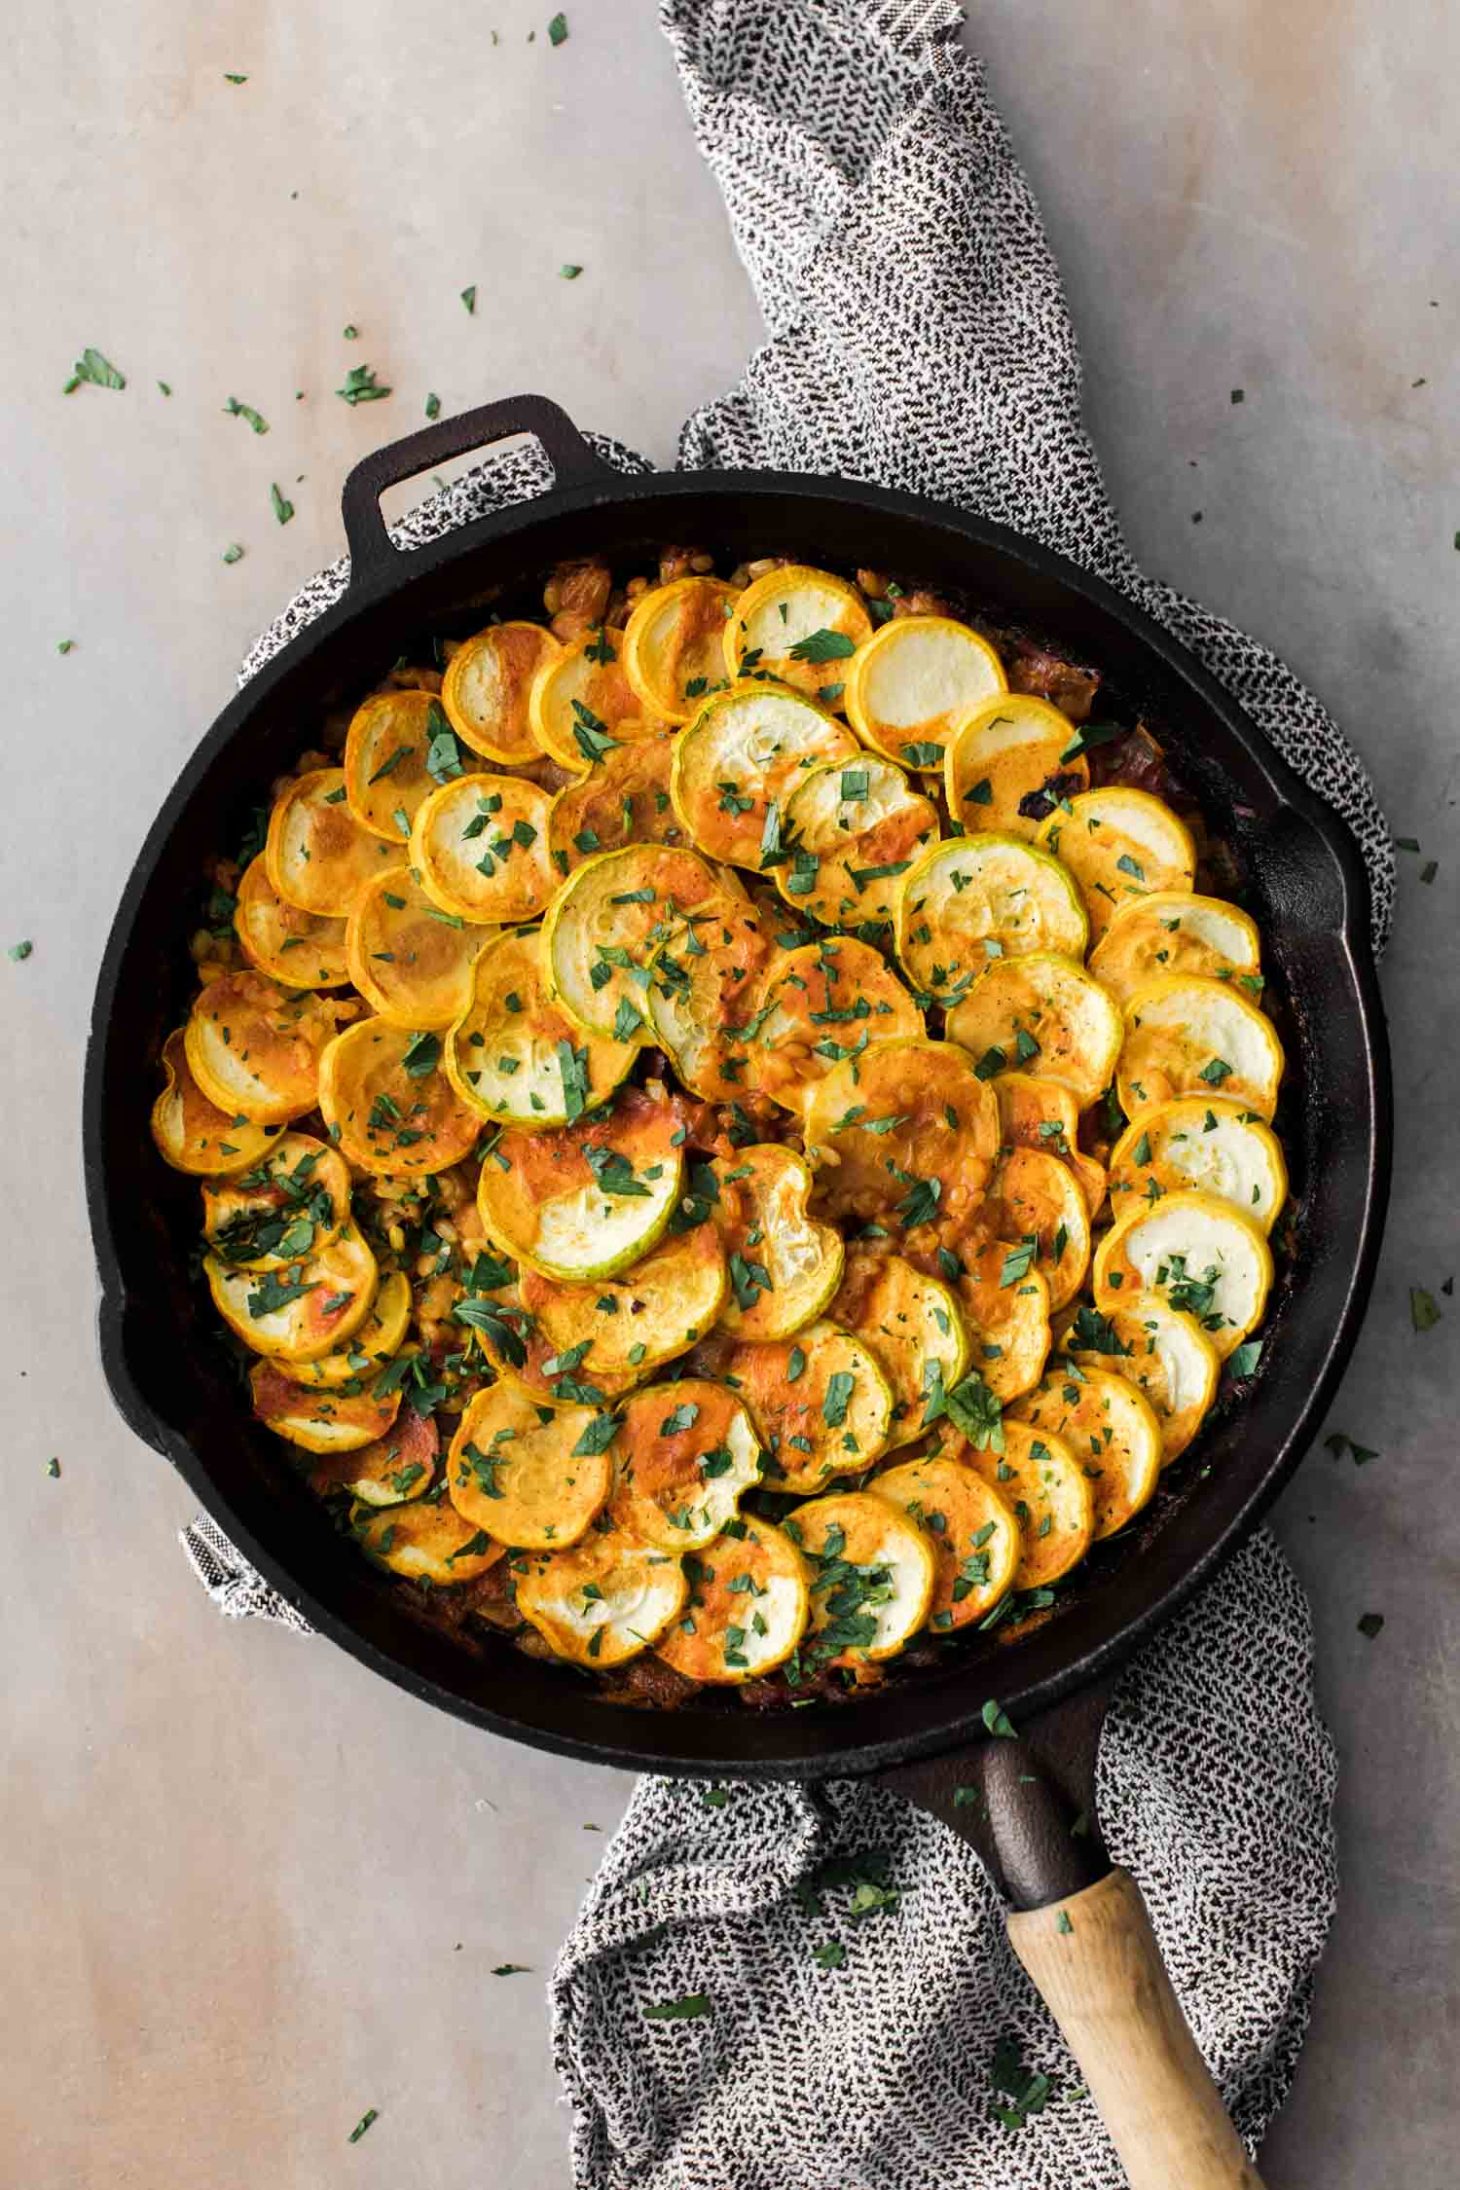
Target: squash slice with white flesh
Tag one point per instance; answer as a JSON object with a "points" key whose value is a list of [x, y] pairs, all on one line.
{"points": [[410, 960], [912, 684], [617, 1331], [1120, 845], [684, 1455], [1037, 1475], [820, 1402], [972, 1532], [320, 1421], [1200, 1254], [427, 1541], [479, 845], [1042, 1015], [369, 1346], [622, 799], [304, 1309], [1043, 1114], [981, 898], [783, 1266], [1033, 1196], [872, 1578], [912, 1327], [583, 707], [740, 759], [1173, 931], [318, 856], [292, 1203], [395, 1467], [389, 1106], [850, 832], [298, 949], [1160, 1349], [749, 1601], [700, 997], [1200, 1145], [1009, 763], [1186, 1035], [906, 1134], [605, 1600], [505, 1054], [589, 1199], [818, 1005], [523, 1355], [1004, 1301], [388, 748], [1112, 1429], [608, 920], [799, 625], [192, 1134], [254, 1048], [486, 691], [529, 1483], [674, 645]]}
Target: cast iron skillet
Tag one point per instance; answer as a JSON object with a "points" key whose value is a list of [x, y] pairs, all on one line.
{"points": [[1308, 891]]}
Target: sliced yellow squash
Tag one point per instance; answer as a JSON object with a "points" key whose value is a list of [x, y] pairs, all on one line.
{"points": [[524, 1479], [800, 625], [616, 1331], [427, 1541], [524, 1355], [1120, 845], [583, 708], [1203, 1145], [740, 759], [912, 684], [389, 747], [981, 898], [317, 855], [303, 1309], [290, 1204], [1186, 1035], [1043, 1016], [674, 645], [389, 1106], [1160, 1349], [410, 960], [1112, 1430], [589, 1199], [820, 1402], [850, 833], [912, 1327], [302, 950], [324, 1422], [1032, 1196], [683, 1456], [905, 1134], [872, 1577], [1037, 1475], [749, 1601], [819, 1005], [1009, 763], [605, 1600], [397, 1466], [608, 920], [479, 847], [505, 1054], [255, 1048], [623, 799], [704, 982], [487, 690], [362, 1354], [1171, 931], [1200, 1254], [1005, 1304], [974, 1537], [783, 1266], [192, 1134]]}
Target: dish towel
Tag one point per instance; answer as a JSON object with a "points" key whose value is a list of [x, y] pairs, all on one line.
{"points": [[862, 2023]]}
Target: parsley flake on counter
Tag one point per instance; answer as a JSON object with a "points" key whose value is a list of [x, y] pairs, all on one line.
{"points": [[558, 30], [569, 272], [371, 2114], [230, 78], [1424, 1309], [512, 1969], [1370, 1624], [233, 553], [256, 419], [94, 371], [433, 406], [469, 297], [53, 1468], [361, 386], [1338, 1443], [19, 952], [65, 646], [282, 507]]}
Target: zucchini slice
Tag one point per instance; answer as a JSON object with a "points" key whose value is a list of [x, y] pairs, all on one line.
{"points": [[379, 1336], [674, 645], [1119, 845], [1032, 1196], [912, 684], [607, 921], [523, 1355], [1037, 1475], [479, 846], [1201, 1145], [387, 749], [1009, 764], [852, 833], [604, 1601], [325, 1422], [504, 1056], [290, 1204], [623, 799], [192, 1134], [1200, 1254], [487, 690], [410, 960], [1112, 1430], [1171, 931], [686, 1452], [1164, 1351], [819, 1005], [872, 1577], [617, 1331], [800, 625], [255, 1048], [739, 761], [905, 1134], [1005, 1304], [749, 1601], [820, 1402], [304, 1309], [525, 1480], [1185, 1035], [389, 1106], [1042, 1114], [588, 1199], [397, 1466], [318, 857], [783, 1266], [298, 949], [583, 706], [912, 1327], [704, 982], [974, 1536], [1043, 1016], [427, 1541], [964, 905]]}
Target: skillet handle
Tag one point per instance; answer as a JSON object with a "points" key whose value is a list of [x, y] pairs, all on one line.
{"points": [[575, 464]]}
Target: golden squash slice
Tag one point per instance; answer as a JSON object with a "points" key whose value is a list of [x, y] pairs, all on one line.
{"points": [[704, 983], [616, 1331], [820, 1402], [479, 846], [1120, 845], [1041, 1015], [1005, 1305], [389, 1106], [487, 690], [316, 1421], [608, 920], [905, 1134], [850, 834], [749, 1601], [255, 1048], [674, 645], [912, 1327], [1043, 1114], [524, 1355], [302, 1309], [1172, 931], [818, 1006], [872, 1577], [292, 1203], [427, 1541], [1009, 763], [367, 1349], [586, 1200], [1111, 1428], [529, 1482], [1159, 1348], [974, 1537], [622, 799], [783, 1266], [583, 708], [193, 1134], [912, 684], [1186, 1035], [1032, 1196], [684, 1455], [1038, 1477], [800, 626], [605, 1600], [1201, 1255], [964, 905], [515, 1054], [298, 949], [391, 747], [1204, 1145], [410, 960], [395, 1467], [740, 759], [317, 855]]}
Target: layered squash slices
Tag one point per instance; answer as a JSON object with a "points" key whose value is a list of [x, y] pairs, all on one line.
{"points": [[731, 1141]]}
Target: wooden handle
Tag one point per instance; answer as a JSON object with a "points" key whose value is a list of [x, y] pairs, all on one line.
{"points": [[1099, 1971]]}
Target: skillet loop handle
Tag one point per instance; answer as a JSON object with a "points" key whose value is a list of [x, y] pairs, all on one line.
{"points": [[372, 554]]}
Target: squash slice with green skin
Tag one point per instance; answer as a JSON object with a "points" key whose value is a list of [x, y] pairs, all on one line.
{"points": [[608, 920], [1173, 931], [1203, 1145], [749, 1601], [1111, 1428], [674, 645], [191, 1133], [700, 997], [799, 625], [739, 761], [427, 1541], [820, 1402], [904, 1135], [504, 1056], [1159, 1348], [684, 1455], [974, 1536], [316, 1421], [387, 748], [1009, 763], [1038, 1477], [963, 905], [914, 681], [410, 960], [292, 1203], [913, 1328], [617, 1331], [318, 856], [523, 1479], [396, 1467], [872, 1578], [603, 1602], [582, 704], [1202, 1255], [254, 1048], [479, 845], [303, 1310], [1042, 1015], [486, 691], [853, 831], [389, 1106], [1005, 1303], [298, 949], [1120, 845], [1033, 1196], [623, 799], [783, 1266], [818, 1005], [590, 1199], [1186, 1035]]}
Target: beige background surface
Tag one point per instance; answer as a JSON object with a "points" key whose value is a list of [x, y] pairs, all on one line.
{"points": [[245, 1890]]}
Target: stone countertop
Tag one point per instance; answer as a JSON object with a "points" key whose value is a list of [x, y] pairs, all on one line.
{"points": [[250, 1891]]}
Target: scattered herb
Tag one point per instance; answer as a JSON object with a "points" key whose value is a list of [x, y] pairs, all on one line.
{"points": [[234, 409], [469, 297], [558, 30], [821, 646], [683, 2010], [371, 2114], [93, 370], [282, 507], [361, 386], [1424, 1309], [1370, 1624]]}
